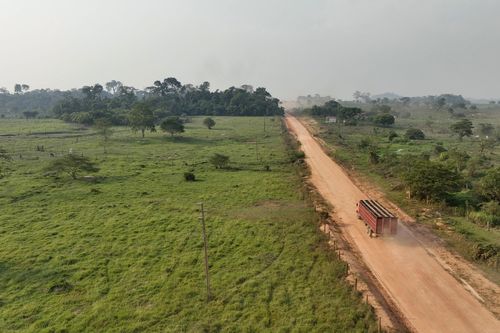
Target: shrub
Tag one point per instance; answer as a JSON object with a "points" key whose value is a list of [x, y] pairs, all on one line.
{"points": [[489, 185], [72, 164], [297, 156], [438, 149], [209, 122], [172, 125], [384, 119], [414, 134], [219, 161], [364, 143], [392, 135], [189, 177]]}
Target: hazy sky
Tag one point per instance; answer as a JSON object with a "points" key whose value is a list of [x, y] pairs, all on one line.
{"points": [[292, 47]]}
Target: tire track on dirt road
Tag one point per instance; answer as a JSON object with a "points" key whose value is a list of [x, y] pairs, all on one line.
{"points": [[430, 298]]}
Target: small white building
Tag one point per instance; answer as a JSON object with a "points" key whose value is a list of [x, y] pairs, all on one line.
{"points": [[330, 119]]}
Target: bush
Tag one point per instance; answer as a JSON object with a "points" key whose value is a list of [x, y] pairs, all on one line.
{"points": [[219, 161], [384, 119], [209, 122], [414, 134], [189, 177], [392, 135], [485, 252], [297, 156], [438, 149], [72, 164], [364, 143]]}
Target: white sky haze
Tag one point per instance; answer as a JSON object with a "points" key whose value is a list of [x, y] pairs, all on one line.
{"points": [[294, 47]]}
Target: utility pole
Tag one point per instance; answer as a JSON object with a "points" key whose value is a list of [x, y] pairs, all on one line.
{"points": [[202, 219]]}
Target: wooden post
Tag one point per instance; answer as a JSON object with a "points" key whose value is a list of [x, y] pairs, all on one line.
{"points": [[356, 284], [202, 219], [379, 325]]}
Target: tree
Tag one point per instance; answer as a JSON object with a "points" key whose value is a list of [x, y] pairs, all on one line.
{"points": [[489, 185], [462, 128], [18, 88], [486, 129], [405, 101], [141, 118], [103, 128], [489, 144], [440, 103], [349, 114], [30, 114], [430, 180], [168, 86], [209, 122], [384, 119], [414, 134], [172, 125], [113, 86], [219, 161], [72, 164], [361, 96], [457, 159], [92, 92]]}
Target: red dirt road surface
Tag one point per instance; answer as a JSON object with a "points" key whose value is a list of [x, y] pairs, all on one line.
{"points": [[428, 296]]}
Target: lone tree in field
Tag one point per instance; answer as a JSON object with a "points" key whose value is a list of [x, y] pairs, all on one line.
{"points": [[72, 165], [141, 118], [103, 128], [172, 125], [462, 128], [209, 122], [219, 161], [414, 134]]}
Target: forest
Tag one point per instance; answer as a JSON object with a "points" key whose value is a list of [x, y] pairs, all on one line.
{"points": [[114, 101]]}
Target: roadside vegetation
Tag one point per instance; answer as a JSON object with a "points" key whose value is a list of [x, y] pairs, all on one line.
{"points": [[437, 157], [108, 240]]}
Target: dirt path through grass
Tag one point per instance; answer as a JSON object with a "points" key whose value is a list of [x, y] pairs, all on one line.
{"points": [[431, 299]]}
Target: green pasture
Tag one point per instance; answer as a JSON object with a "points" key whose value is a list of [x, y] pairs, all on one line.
{"points": [[121, 251]]}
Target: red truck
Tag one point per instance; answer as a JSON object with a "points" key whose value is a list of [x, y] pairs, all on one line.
{"points": [[377, 218]]}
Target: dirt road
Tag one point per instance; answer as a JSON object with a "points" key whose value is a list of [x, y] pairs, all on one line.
{"points": [[429, 297]]}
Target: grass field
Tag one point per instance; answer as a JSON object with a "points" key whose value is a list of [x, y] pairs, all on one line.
{"points": [[461, 234], [124, 253]]}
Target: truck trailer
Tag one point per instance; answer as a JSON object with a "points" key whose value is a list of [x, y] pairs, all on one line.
{"points": [[378, 220]]}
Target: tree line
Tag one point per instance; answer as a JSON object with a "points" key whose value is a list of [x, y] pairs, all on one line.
{"points": [[114, 102]]}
